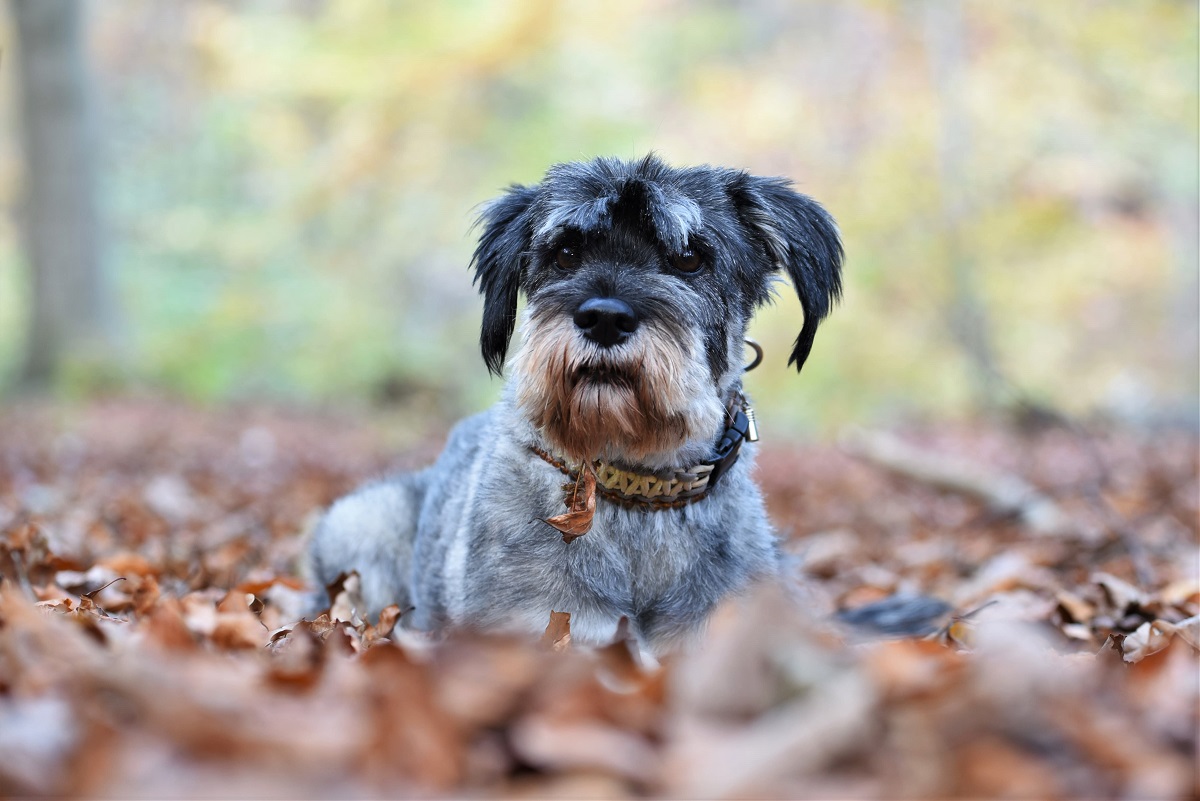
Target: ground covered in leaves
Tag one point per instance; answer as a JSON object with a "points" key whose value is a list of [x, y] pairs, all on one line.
{"points": [[971, 611]]}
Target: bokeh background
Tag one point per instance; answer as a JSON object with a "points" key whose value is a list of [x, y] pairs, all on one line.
{"points": [[234, 285], [282, 191]]}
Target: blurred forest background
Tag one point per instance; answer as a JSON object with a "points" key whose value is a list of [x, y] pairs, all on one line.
{"points": [[233, 285], [273, 198]]}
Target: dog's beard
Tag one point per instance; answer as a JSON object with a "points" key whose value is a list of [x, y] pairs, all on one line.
{"points": [[639, 402]]}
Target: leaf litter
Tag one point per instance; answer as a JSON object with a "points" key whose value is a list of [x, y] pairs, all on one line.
{"points": [[157, 638]]}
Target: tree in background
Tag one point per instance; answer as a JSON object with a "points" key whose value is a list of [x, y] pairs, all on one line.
{"points": [[70, 297], [289, 184]]}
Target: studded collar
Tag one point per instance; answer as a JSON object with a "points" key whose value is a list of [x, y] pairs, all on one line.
{"points": [[668, 489]]}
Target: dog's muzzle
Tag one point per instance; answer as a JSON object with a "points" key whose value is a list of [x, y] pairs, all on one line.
{"points": [[606, 321]]}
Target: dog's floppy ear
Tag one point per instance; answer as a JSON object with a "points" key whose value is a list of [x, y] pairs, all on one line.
{"points": [[497, 261], [800, 238]]}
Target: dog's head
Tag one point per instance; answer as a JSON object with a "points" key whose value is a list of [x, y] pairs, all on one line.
{"points": [[640, 281]]}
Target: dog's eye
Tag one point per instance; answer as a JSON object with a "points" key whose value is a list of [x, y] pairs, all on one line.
{"points": [[567, 257], [687, 261]]}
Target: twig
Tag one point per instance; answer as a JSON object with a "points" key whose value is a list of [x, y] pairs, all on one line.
{"points": [[22, 576], [1003, 492], [1117, 523]]}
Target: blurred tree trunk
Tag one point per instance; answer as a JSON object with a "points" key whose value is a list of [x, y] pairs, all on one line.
{"points": [[70, 315], [967, 315], [1182, 214]]}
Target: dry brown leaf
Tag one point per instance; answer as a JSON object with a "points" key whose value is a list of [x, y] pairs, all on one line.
{"points": [[165, 626], [200, 611], [1187, 630], [826, 553], [1180, 593], [1153, 636], [407, 728], [127, 563], [235, 602], [623, 666], [297, 659], [93, 620], [1121, 596], [1149, 638], [1073, 608], [484, 682], [146, 595], [260, 586], [92, 579], [864, 594], [581, 507], [992, 768], [239, 630], [560, 746], [1078, 631], [193, 691], [908, 668], [382, 629], [1007, 572], [558, 631], [345, 603]]}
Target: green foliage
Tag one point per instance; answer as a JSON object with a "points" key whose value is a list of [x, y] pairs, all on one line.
{"points": [[290, 185], [12, 310]]}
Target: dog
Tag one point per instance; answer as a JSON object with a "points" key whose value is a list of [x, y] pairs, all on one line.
{"points": [[612, 479]]}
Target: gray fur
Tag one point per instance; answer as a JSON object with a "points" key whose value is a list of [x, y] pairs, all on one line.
{"points": [[464, 542]]}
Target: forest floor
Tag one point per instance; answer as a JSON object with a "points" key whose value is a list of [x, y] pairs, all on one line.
{"points": [[971, 611]]}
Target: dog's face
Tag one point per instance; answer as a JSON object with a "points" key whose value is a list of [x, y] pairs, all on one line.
{"points": [[640, 281]]}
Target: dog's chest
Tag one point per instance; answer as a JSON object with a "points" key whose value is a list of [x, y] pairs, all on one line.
{"points": [[636, 558], [486, 557]]}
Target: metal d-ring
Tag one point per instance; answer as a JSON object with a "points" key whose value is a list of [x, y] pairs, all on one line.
{"points": [[758, 355]]}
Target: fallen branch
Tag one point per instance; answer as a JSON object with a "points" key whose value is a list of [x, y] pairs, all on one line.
{"points": [[1004, 493]]}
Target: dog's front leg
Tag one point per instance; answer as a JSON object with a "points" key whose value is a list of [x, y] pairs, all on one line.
{"points": [[371, 532]]}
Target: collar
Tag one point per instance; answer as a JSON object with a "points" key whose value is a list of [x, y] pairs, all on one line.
{"points": [[667, 489]]}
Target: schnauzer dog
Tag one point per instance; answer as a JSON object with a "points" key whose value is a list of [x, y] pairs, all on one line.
{"points": [[606, 482]]}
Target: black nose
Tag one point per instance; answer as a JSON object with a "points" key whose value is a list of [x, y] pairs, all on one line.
{"points": [[606, 321]]}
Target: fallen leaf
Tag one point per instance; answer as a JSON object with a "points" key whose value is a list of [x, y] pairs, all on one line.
{"points": [[382, 629], [146, 595], [560, 746], [1187, 630], [1180, 592], [199, 670], [1073, 608], [623, 665], [260, 586], [558, 631], [127, 563], [239, 630], [345, 604], [1122, 597], [1149, 638], [581, 506]]}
